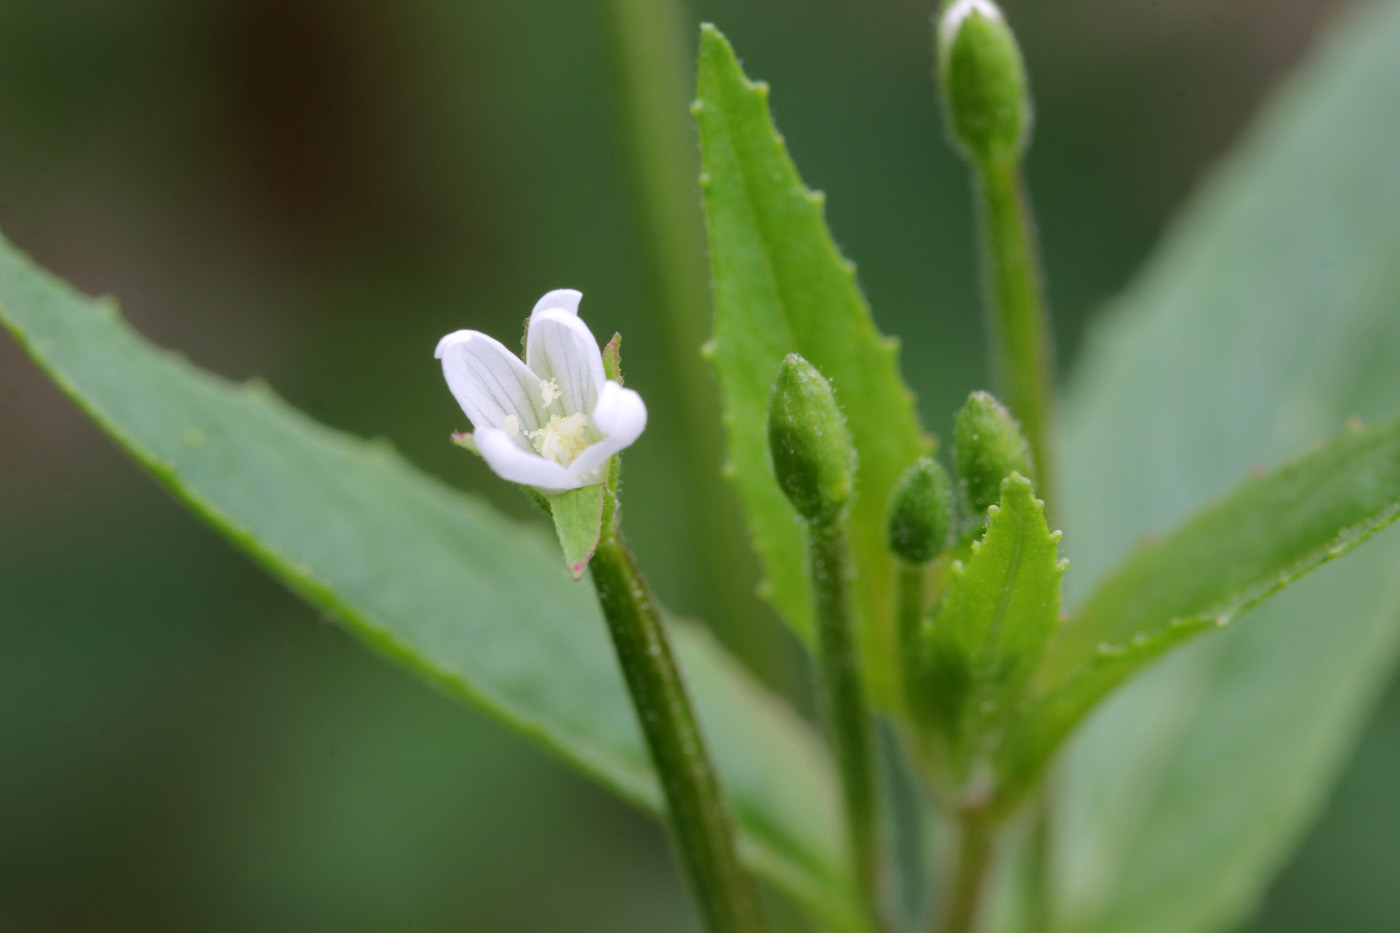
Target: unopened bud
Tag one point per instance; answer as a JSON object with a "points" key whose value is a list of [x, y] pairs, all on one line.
{"points": [[921, 512], [985, 92], [813, 456], [988, 446]]}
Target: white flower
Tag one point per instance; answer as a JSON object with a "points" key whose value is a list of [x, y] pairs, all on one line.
{"points": [[553, 421]]}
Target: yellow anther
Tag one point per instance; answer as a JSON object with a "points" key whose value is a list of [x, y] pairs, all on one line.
{"points": [[563, 439]]}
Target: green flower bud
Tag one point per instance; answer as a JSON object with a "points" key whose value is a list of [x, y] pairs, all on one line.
{"points": [[985, 95], [988, 446], [813, 456], [921, 512]]}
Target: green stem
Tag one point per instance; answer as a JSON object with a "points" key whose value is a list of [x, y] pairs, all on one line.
{"points": [[963, 899], [912, 596], [848, 719], [1017, 320], [700, 822], [1023, 360]]}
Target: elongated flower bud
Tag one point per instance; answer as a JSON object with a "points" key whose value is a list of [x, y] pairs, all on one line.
{"points": [[985, 95], [813, 456], [988, 447], [921, 512]]}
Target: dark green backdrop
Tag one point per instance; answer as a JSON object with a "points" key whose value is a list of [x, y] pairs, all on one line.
{"points": [[316, 191]]}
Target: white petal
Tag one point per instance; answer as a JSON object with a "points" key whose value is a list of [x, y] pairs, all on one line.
{"points": [[560, 346], [512, 463], [565, 299], [620, 417], [954, 15], [489, 381]]}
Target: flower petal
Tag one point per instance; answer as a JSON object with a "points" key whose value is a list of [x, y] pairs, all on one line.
{"points": [[510, 462], [561, 347], [489, 381], [565, 299], [620, 417]]}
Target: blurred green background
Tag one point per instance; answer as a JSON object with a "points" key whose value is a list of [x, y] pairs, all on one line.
{"points": [[315, 191]]}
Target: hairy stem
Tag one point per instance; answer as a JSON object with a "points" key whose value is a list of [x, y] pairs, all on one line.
{"points": [[1017, 320], [912, 596], [848, 719], [701, 826]]}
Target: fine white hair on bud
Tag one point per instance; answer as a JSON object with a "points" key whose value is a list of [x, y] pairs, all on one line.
{"points": [[953, 16], [551, 421]]}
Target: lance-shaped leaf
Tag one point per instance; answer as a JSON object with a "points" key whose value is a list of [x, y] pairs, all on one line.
{"points": [[1244, 548], [780, 287], [1000, 611], [1268, 316], [1223, 562], [432, 579]]}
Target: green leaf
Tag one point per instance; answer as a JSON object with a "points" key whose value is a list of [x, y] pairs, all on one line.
{"points": [[578, 520], [997, 616], [1244, 548], [430, 578], [1270, 314], [780, 287], [1038, 729]]}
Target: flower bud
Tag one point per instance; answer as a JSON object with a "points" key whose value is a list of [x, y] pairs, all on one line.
{"points": [[988, 446], [812, 452], [985, 96], [921, 512]]}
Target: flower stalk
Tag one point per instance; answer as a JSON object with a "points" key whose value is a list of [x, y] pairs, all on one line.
{"points": [[987, 104], [701, 826], [962, 900], [1016, 314], [814, 462], [848, 719]]}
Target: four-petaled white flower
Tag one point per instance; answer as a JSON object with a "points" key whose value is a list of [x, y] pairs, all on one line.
{"points": [[553, 421]]}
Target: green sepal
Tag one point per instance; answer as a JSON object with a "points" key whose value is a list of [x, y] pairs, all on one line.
{"points": [[999, 612], [612, 359], [578, 519], [466, 441], [985, 93]]}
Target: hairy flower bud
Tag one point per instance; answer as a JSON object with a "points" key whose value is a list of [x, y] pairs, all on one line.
{"points": [[985, 95], [988, 447], [813, 456], [921, 512]]}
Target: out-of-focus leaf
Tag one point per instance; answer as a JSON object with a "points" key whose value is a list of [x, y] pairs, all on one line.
{"points": [[1270, 314], [997, 616], [1226, 560], [1244, 548], [780, 287], [430, 578]]}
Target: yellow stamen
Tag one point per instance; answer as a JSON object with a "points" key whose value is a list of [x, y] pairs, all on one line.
{"points": [[510, 425], [563, 439]]}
